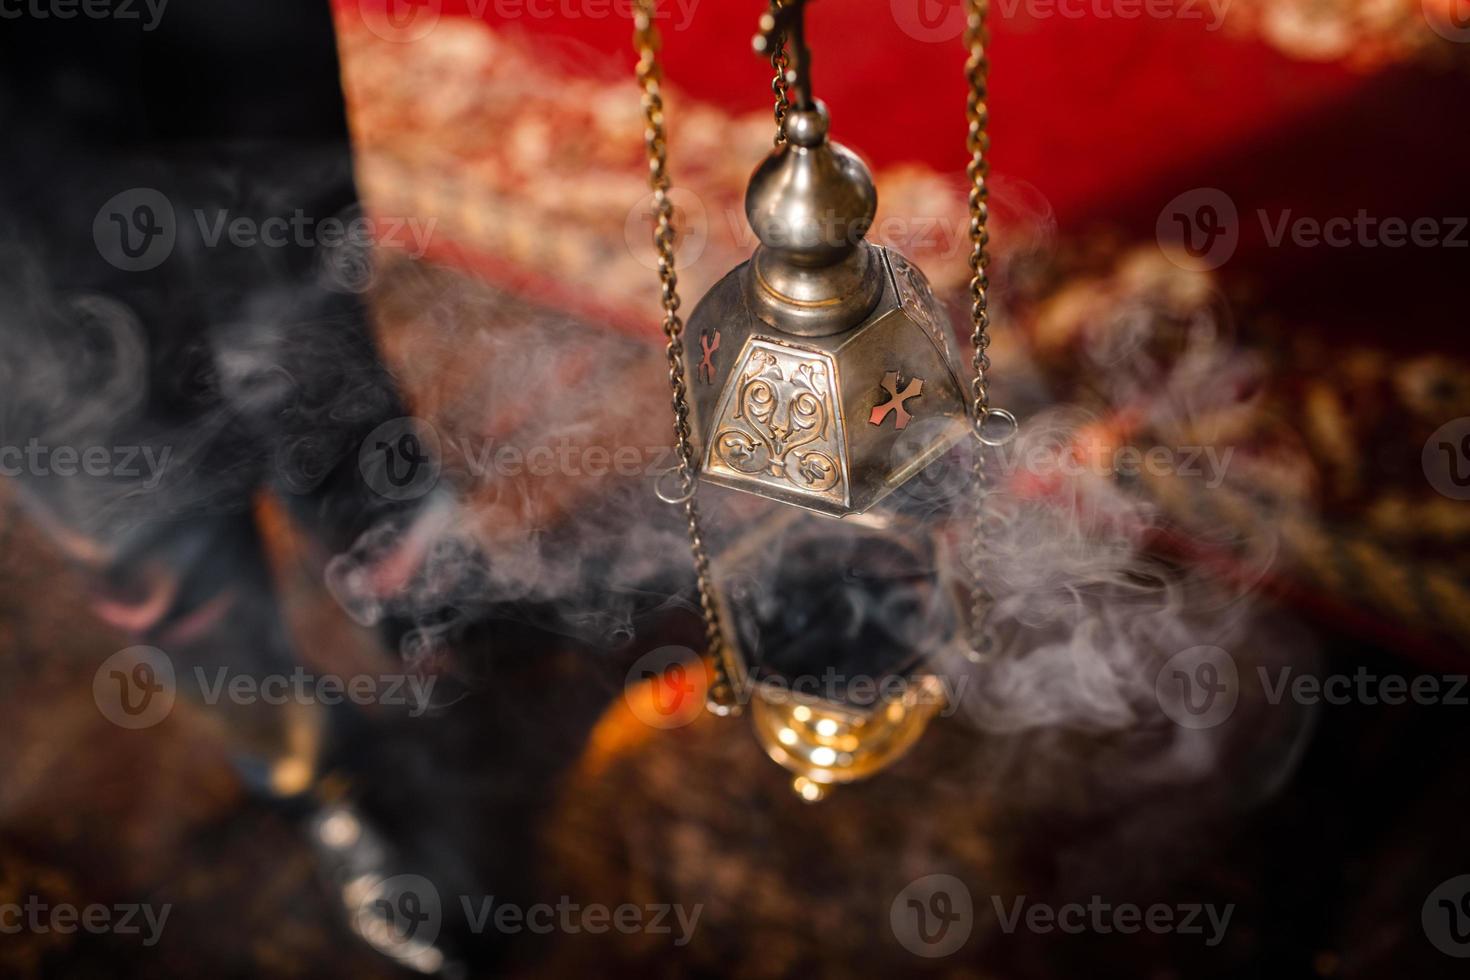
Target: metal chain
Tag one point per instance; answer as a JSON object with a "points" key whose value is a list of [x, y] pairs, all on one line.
{"points": [[781, 65], [977, 67], [977, 140], [650, 75]]}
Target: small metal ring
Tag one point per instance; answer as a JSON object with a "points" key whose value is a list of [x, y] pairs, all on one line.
{"points": [[986, 646], [667, 496], [1010, 433]]}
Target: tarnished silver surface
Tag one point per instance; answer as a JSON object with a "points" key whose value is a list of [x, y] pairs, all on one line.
{"points": [[816, 355], [810, 203], [776, 423], [806, 420]]}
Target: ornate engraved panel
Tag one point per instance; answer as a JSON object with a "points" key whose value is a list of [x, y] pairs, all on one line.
{"points": [[776, 424], [917, 299]]}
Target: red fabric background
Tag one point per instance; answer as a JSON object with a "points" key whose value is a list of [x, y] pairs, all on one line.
{"points": [[1089, 111], [1109, 119]]}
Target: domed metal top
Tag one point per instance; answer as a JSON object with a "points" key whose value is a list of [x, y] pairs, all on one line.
{"points": [[810, 203], [810, 200]]}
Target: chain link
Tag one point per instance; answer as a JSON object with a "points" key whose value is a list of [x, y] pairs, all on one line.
{"points": [[650, 77], [977, 141], [781, 65]]}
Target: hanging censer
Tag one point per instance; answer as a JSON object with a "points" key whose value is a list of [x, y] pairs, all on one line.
{"points": [[812, 359]]}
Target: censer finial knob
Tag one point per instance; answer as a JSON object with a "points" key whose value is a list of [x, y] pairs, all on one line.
{"points": [[810, 203], [807, 127]]}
